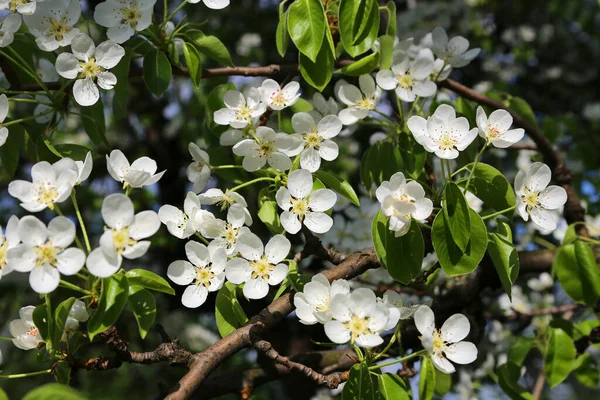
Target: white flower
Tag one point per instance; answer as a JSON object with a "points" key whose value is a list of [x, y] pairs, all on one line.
{"points": [[84, 167], [78, 313], [122, 235], [359, 101], [240, 110], [301, 205], [496, 129], [323, 107], [26, 335], [214, 4], [226, 200], [446, 343], [124, 17], [50, 184], [535, 198], [312, 304], [3, 114], [268, 146], [394, 302], [204, 273], [44, 252], [8, 240], [541, 283], [453, 51], [357, 318], [409, 78], [402, 201], [142, 172], [261, 266], [593, 224], [90, 64], [23, 7], [182, 224], [276, 97], [314, 140], [198, 172], [9, 24], [53, 23], [442, 133], [225, 234]]}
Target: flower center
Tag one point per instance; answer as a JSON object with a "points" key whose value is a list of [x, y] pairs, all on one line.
{"points": [[16, 3], [530, 199], [261, 268], [3, 253], [131, 15], [299, 207], [405, 81], [230, 235], [313, 139], [203, 276], [492, 132], [324, 305], [89, 68], [243, 114], [439, 345], [278, 99], [58, 28], [357, 326], [32, 332], [46, 193], [46, 254], [367, 103], [265, 148], [121, 239], [446, 142]]}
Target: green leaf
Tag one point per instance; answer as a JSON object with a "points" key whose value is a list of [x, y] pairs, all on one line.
{"points": [[302, 105], [403, 255], [143, 306], [522, 108], [508, 375], [74, 151], [453, 260], [60, 319], [306, 24], [228, 311], [386, 47], [281, 37], [586, 371], [298, 281], [443, 383], [149, 280], [426, 380], [92, 118], [113, 299], [392, 387], [491, 187], [10, 150], [456, 215], [359, 25], [3, 395], [193, 62], [318, 73], [269, 215], [505, 259], [54, 391], [360, 385], [577, 272], [62, 373], [157, 72], [43, 320], [120, 104], [560, 356], [363, 66], [391, 26], [413, 156], [519, 350], [339, 185], [379, 163], [210, 46]]}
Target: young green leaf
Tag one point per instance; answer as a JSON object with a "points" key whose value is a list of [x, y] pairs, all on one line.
{"points": [[281, 36], [392, 387], [339, 185], [360, 385], [269, 215], [456, 215], [53, 391], [490, 185], [505, 259], [143, 305], [149, 280], [193, 62], [92, 118], [577, 272], [307, 24], [157, 72], [113, 298], [60, 318], [227, 309], [359, 25], [427, 380], [318, 73], [210, 46], [560, 357], [363, 66]]}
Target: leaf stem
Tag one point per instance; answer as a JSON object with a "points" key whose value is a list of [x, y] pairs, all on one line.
{"points": [[202, 238], [18, 121], [475, 166], [400, 360], [81, 224], [6, 338], [253, 181], [69, 285], [498, 213], [25, 375]]}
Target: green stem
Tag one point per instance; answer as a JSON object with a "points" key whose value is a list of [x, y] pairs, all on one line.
{"points": [[498, 213], [400, 109], [25, 375], [225, 166], [543, 242], [279, 121], [586, 239], [423, 225], [443, 170], [69, 285], [253, 181], [81, 224], [27, 68], [358, 352], [389, 345], [475, 166], [6, 338], [18, 121], [400, 360], [459, 171], [202, 238], [179, 7], [21, 100]]}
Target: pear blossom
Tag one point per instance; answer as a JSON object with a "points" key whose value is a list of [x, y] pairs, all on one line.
{"points": [[225, 234], [323, 107], [198, 172], [401, 201], [183, 224], [496, 129], [3, 114], [267, 146], [240, 110], [8, 240], [90, 64], [359, 101], [204, 273], [23, 7], [53, 23], [50, 184], [225, 200], [214, 4], [84, 167], [445, 343], [314, 140], [77, 314], [593, 224], [26, 336], [124, 17], [278, 98], [409, 78], [9, 24], [45, 252], [122, 236], [541, 283], [301, 205], [142, 172], [442, 133], [398, 311], [536, 199], [453, 51], [312, 304], [260, 266], [357, 318]]}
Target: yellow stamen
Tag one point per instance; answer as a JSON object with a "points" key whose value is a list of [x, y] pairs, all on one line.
{"points": [[46, 254], [261, 268], [131, 15], [121, 239], [203, 276], [357, 326], [90, 69]]}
